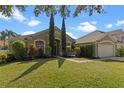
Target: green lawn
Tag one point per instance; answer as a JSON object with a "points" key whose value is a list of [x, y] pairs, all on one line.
{"points": [[60, 73]]}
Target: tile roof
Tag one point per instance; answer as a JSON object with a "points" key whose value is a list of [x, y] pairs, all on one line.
{"points": [[97, 35]]}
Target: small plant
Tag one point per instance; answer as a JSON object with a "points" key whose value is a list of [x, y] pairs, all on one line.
{"points": [[77, 50], [120, 52], [48, 50], [32, 51], [3, 58], [40, 53]]}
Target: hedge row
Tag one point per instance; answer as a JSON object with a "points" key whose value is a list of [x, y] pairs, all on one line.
{"points": [[87, 51]]}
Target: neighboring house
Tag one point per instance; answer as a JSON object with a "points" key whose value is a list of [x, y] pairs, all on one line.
{"points": [[2, 44], [105, 43], [41, 39]]}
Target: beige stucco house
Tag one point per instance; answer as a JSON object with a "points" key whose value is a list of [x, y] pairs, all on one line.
{"points": [[105, 42], [41, 39]]}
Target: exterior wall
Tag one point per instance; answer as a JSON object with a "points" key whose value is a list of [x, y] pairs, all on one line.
{"points": [[96, 50], [44, 36]]}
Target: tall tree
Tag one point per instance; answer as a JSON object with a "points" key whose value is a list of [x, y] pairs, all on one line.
{"points": [[49, 10], [63, 38], [51, 35]]}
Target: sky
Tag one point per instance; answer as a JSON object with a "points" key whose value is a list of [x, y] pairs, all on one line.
{"points": [[25, 23]]}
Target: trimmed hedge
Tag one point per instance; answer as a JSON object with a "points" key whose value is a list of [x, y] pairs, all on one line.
{"points": [[87, 51], [120, 52]]}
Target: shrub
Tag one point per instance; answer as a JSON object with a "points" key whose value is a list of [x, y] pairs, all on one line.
{"points": [[120, 52], [77, 50], [19, 50], [10, 57], [87, 51], [40, 53], [83, 51], [3, 57], [32, 51], [48, 50]]}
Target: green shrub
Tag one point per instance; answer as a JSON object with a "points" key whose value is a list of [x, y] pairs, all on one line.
{"points": [[3, 57], [83, 51], [48, 50], [10, 57], [120, 52], [87, 51], [19, 50], [32, 51]]}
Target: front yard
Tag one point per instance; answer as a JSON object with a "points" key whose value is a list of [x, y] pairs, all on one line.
{"points": [[54, 72]]}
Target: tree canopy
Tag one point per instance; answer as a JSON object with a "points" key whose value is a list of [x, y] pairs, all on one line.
{"points": [[63, 10]]}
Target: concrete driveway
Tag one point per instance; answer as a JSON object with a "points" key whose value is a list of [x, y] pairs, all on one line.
{"points": [[114, 58]]}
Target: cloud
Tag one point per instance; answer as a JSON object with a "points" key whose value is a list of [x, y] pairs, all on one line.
{"points": [[109, 26], [18, 15], [70, 34], [85, 27], [4, 17], [33, 22], [120, 22], [28, 32]]}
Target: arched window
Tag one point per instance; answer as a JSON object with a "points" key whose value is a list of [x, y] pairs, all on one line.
{"points": [[39, 44]]}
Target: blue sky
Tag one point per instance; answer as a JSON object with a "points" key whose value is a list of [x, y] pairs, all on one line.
{"points": [[26, 23]]}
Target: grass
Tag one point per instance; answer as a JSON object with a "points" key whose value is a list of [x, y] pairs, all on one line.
{"points": [[53, 72]]}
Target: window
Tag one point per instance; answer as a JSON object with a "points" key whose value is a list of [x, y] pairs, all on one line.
{"points": [[39, 44]]}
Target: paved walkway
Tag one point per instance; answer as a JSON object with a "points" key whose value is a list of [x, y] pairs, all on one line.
{"points": [[87, 60], [114, 58], [77, 61]]}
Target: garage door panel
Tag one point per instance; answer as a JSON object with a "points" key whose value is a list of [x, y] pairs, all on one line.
{"points": [[105, 50]]}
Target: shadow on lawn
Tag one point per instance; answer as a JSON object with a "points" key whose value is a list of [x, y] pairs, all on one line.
{"points": [[60, 62], [32, 68]]}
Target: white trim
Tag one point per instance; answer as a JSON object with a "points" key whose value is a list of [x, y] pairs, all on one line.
{"points": [[43, 41], [106, 41]]}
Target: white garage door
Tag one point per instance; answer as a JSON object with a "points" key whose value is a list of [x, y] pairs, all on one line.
{"points": [[105, 50]]}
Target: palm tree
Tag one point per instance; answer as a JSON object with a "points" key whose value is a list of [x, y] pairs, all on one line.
{"points": [[7, 10], [3, 35], [10, 34], [64, 10], [7, 35]]}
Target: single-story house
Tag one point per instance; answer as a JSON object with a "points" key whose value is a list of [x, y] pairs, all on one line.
{"points": [[41, 39], [105, 42]]}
